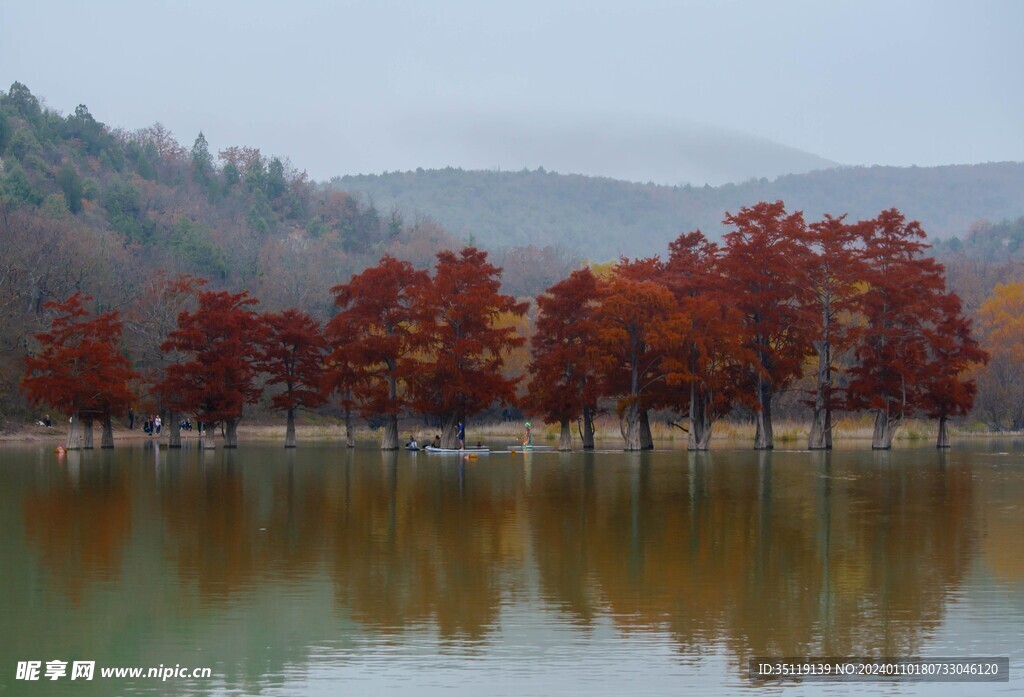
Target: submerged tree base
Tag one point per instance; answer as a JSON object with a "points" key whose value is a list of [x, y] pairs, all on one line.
{"points": [[107, 440], [390, 438], [76, 439], [174, 424], [820, 437], [289, 433], [450, 432], [631, 428], [942, 441], [565, 436], [699, 437], [587, 436], [231, 433], [884, 431], [764, 439]]}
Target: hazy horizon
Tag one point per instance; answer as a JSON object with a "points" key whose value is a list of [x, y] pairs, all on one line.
{"points": [[670, 92]]}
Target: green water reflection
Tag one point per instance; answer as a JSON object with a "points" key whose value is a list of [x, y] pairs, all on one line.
{"points": [[404, 571]]}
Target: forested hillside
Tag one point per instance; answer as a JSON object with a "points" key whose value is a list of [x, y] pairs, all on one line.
{"points": [[605, 218], [132, 220], [86, 207], [987, 255]]}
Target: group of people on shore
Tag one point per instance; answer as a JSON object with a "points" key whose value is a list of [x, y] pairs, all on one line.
{"points": [[154, 424]]}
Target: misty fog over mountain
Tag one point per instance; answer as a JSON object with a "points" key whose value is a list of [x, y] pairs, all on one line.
{"points": [[627, 147], [673, 93]]}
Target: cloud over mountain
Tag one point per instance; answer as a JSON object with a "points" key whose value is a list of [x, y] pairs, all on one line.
{"points": [[621, 146]]}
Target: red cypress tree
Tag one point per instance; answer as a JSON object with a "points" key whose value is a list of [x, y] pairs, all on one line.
{"points": [[220, 341], [707, 370], [339, 377], [293, 355], [901, 307], [837, 266], [665, 358], [79, 370], [638, 327], [954, 351], [371, 339], [765, 264], [563, 378], [465, 352]]}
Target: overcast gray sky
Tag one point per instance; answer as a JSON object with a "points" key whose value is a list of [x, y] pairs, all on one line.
{"points": [[360, 87]]}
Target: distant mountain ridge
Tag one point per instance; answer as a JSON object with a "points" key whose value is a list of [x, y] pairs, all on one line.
{"points": [[602, 218], [627, 147]]}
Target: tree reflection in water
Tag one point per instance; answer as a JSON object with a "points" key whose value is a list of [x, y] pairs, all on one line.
{"points": [[760, 554]]}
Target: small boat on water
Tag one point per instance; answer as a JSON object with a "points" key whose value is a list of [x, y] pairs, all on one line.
{"points": [[456, 451], [530, 448]]}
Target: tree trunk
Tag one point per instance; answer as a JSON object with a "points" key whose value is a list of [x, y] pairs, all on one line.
{"points": [[450, 431], [765, 438], [289, 432], [885, 430], [231, 433], [107, 440], [76, 439], [943, 439], [820, 437], [350, 439], [87, 441], [646, 440], [174, 429], [390, 439], [565, 437], [631, 433], [588, 428], [208, 435], [700, 420]]}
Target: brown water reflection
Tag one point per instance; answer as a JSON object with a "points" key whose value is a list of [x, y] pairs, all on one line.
{"points": [[435, 544], [79, 526], [775, 561], [756, 554]]}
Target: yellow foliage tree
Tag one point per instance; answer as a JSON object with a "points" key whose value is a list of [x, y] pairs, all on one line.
{"points": [[1000, 401]]}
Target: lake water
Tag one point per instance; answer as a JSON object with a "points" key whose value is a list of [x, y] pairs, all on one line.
{"points": [[333, 571]]}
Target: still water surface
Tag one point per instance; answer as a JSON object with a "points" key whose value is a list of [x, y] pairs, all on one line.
{"points": [[331, 571]]}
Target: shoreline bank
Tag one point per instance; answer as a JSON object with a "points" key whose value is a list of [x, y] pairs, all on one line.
{"points": [[789, 435]]}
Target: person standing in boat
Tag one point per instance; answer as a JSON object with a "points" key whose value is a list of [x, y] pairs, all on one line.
{"points": [[528, 438], [462, 436]]}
